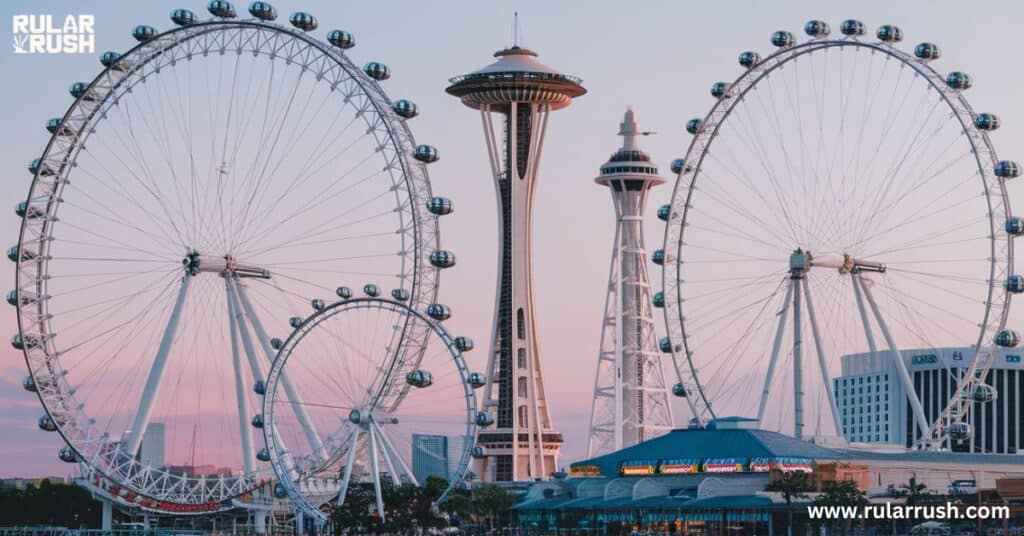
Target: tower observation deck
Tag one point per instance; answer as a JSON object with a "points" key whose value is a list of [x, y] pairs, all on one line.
{"points": [[518, 92]]}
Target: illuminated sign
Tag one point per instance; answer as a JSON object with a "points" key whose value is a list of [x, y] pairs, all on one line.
{"points": [[584, 471], [637, 468], [1012, 358], [679, 466], [723, 465], [786, 465]]}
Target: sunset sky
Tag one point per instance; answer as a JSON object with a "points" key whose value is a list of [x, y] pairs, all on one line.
{"points": [[660, 57]]}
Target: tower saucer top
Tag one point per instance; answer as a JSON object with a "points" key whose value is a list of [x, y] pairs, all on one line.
{"points": [[517, 76]]}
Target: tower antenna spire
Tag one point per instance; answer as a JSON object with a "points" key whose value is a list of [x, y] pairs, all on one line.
{"points": [[515, 28]]}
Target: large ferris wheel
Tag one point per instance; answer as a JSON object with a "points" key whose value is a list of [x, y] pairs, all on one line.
{"points": [[840, 196], [210, 184]]}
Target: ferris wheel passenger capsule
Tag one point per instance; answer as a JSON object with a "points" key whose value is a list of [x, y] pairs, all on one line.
{"points": [[183, 17], [318, 304], [371, 290], [53, 124], [817, 28], [257, 420], [46, 424], [659, 299], [400, 294], [959, 431], [958, 80], [341, 39], [67, 455], [464, 344], [28, 383], [1014, 226], [440, 206], [439, 312], [12, 297], [221, 9], [719, 89], [680, 390], [478, 452], [405, 108], [426, 154], [693, 126], [986, 121], [1014, 284], [658, 257], [1007, 338], [783, 39], [377, 71], [109, 58], [852, 28], [889, 33], [983, 393], [263, 11], [484, 419], [263, 455], [749, 59], [38, 167], [143, 33], [15, 253], [260, 387], [343, 292], [476, 380], [1007, 169], [303, 21], [80, 90], [664, 211], [296, 321], [276, 343], [419, 378], [665, 345], [927, 51], [24, 210], [442, 259], [679, 166]]}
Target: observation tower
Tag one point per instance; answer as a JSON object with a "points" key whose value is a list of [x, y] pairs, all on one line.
{"points": [[631, 402], [520, 93]]}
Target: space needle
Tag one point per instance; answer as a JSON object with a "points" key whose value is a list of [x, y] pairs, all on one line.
{"points": [[522, 92]]}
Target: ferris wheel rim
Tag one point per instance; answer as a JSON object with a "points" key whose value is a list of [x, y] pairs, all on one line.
{"points": [[995, 194], [285, 468], [422, 276]]}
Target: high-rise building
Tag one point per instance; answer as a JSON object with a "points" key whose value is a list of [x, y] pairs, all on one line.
{"points": [[631, 402], [520, 93], [873, 404], [152, 449], [436, 455]]}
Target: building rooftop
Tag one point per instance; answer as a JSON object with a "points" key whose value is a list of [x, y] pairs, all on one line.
{"points": [[517, 76]]}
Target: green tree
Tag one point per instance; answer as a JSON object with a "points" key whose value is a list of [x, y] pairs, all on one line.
{"points": [[794, 485], [913, 490], [493, 502], [842, 493]]}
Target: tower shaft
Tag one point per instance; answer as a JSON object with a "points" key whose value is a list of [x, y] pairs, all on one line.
{"points": [[631, 401], [523, 445]]}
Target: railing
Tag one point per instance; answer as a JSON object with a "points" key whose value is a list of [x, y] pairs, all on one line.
{"points": [[516, 75]]}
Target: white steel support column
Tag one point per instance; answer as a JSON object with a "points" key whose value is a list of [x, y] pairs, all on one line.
{"points": [[243, 331], [241, 399], [390, 450], [798, 372], [776, 346], [349, 462], [855, 279], [156, 372], [294, 399], [901, 367], [375, 468], [822, 362]]}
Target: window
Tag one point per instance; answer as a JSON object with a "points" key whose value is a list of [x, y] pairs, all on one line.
{"points": [[521, 358], [520, 325], [521, 388]]}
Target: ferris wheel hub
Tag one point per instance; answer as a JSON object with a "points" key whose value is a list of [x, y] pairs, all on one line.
{"points": [[226, 266]]}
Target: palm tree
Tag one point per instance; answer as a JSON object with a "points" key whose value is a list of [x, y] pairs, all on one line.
{"points": [[792, 486]]}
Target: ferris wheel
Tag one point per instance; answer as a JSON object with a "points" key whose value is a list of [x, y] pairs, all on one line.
{"points": [[394, 412], [840, 196], [210, 183]]}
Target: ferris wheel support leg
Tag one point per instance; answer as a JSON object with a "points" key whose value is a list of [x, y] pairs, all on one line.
{"points": [[308, 428], [798, 365], [156, 373], [863, 312], [375, 469], [783, 315], [901, 367], [382, 443], [349, 462], [243, 331], [821, 358], [394, 453], [248, 459]]}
